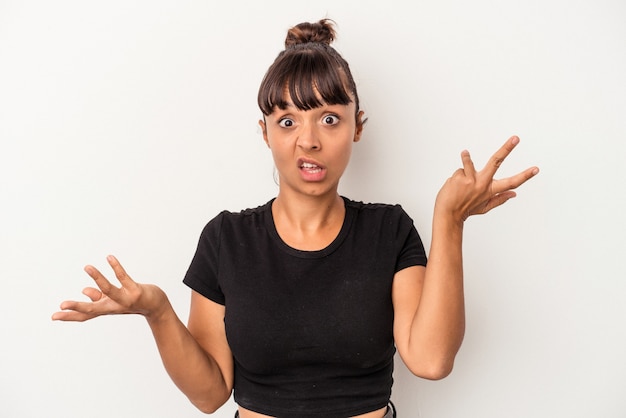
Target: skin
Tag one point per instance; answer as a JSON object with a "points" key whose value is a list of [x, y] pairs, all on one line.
{"points": [[309, 213], [428, 301]]}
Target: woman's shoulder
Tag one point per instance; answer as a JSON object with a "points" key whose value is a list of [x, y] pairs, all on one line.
{"points": [[378, 212], [235, 218], [243, 213], [251, 211], [372, 206]]}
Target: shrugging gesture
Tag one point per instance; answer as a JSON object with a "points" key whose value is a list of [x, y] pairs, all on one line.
{"points": [[470, 192], [311, 120]]}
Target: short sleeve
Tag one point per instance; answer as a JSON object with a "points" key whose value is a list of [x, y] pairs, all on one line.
{"points": [[203, 273], [411, 251]]}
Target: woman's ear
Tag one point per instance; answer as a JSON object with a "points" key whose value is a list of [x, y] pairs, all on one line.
{"points": [[360, 122], [264, 131]]}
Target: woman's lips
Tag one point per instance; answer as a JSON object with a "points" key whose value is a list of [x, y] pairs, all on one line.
{"points": [[311, 171]]}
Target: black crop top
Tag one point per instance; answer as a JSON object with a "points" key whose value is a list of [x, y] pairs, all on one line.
{"points": [[311, 332]]}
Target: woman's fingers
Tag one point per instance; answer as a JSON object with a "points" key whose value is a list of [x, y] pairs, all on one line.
{"points": [[106, 286], [104, 300], [496, 159], [108, 299], [468, 165], [513, 182], [120, 273], [76, 311], [71, 316], [470, 192], [494, 163], [494, 202], [93, 294], [103, 284]]}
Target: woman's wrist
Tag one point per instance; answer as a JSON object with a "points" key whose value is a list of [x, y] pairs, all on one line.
{"points": [[159, 306], [448, 219]]}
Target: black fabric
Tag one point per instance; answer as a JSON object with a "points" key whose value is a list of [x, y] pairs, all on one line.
{"points": [[391, 411], [311, 331]]}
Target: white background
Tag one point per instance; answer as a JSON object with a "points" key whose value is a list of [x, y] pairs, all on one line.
{"points": [[126, 125]]}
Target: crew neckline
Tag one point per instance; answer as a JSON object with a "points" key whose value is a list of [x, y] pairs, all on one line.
{"points": [[330, 248]]}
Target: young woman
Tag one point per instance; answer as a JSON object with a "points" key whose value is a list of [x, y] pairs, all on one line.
{"points": [[299, 305]]}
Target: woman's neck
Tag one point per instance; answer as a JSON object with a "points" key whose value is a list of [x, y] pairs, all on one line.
{"points": [[308, 223]]}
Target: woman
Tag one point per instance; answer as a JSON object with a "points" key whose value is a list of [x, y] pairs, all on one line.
{"points": [[299, 305]]}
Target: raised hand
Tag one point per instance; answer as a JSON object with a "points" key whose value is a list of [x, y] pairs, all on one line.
{"points": [[470, 192], [107, 299]]}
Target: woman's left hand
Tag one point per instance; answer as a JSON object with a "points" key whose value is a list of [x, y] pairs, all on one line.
{"points": [[470, 192]]}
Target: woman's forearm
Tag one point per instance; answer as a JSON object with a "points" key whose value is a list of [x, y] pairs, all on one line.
{"points": [[191, 368], [439, 324]]}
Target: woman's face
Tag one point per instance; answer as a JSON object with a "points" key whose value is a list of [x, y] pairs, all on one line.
{"points": [[311, 148]]}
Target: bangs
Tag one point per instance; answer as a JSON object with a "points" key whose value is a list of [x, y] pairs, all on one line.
{"points": [[309, 78]]}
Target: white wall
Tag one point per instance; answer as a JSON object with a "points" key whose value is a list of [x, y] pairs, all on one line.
{"points": [[126, 125]]}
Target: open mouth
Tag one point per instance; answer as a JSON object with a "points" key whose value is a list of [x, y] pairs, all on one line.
{"points": [[310, 168]]}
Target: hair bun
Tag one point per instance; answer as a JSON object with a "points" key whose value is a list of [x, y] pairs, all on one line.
{"points": [[321, 32]]}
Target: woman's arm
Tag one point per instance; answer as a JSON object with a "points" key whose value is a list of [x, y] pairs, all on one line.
{"points": [[197, 358], [429, 310], [429, 306]]}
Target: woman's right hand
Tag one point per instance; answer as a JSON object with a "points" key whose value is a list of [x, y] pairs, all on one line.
{"points": [[472, 192], [131, 297]]}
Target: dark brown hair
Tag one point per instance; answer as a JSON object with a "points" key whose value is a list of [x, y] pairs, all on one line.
{"points": [[310, 70]]}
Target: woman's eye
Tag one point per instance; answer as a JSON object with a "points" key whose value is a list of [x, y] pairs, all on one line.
{"points": [[285, 123], [331, 120]]}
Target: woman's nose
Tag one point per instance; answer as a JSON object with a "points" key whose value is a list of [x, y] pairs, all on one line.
{"points": [[308, 137]]}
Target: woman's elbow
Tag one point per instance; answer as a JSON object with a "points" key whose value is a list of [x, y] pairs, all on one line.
{"points": [[208, 406], [434, 370]]}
